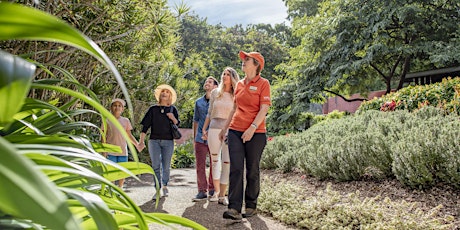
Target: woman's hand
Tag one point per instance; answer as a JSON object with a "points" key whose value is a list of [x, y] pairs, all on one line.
{"points": [[247, 135], [140, 146], [172, 117], [205, 135], [223, 135]]}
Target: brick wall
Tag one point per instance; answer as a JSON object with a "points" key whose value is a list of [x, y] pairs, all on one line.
{"points": [[337, 103]]}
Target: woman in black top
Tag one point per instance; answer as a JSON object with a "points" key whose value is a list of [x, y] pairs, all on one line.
{"points": [[161, 142]]}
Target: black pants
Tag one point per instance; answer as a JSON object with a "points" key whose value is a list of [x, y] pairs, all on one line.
{"points": [[241, 153]]}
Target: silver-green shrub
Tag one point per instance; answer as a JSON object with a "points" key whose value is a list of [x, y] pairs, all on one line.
{"points": [[420, 148], [348, 148], [274, 149], [429, 150], [328, 209]]}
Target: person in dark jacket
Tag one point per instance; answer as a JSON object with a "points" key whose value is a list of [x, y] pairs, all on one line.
{"points": [[161, 142]]}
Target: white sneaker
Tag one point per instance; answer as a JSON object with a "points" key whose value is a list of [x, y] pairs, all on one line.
{"points": [[214, 197], [165, 191], [223, 201]]}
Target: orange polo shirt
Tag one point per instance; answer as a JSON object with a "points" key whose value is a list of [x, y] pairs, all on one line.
{"points": [[248, 99]]}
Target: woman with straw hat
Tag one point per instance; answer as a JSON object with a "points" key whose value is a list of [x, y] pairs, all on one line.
{"points": [[161, 142]]}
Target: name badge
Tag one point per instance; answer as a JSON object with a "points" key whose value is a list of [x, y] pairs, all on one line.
{"points": [[252, 88]]}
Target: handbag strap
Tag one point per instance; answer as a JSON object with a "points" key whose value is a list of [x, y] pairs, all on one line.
{"points": [[171, 111]]}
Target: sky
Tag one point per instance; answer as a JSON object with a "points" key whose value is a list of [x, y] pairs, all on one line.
{"points": [[232, 12]]}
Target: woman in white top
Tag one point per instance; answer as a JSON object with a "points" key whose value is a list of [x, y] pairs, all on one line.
{"points": [[220, 105]]}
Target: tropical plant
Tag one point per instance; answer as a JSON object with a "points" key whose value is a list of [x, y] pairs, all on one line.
{"points": [[52, 173]]}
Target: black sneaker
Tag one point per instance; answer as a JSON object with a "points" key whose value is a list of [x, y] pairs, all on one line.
{"points": [[211, 193], [200, 196], [250, 212], [232, 214]]}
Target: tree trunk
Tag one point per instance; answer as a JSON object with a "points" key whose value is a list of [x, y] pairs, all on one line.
{"points": [[406, 68]]}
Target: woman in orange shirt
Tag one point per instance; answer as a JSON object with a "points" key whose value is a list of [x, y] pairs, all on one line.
{"points": [[247, 136]]}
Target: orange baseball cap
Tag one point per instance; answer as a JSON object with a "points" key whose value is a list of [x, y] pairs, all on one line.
{"points": [[256, 55]]}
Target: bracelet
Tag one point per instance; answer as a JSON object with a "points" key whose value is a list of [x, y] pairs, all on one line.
{"points": [[254, 125]]}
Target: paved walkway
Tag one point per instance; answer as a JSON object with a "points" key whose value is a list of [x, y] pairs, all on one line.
{"points": [[182, 189]]}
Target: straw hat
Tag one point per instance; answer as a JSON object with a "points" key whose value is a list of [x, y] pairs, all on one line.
{"points": [[164, 86]]}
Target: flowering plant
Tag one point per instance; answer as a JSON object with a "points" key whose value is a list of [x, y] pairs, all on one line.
{"points": [[388, 106]]}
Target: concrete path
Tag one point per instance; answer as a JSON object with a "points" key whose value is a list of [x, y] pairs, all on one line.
{"points": [[182, 189]]}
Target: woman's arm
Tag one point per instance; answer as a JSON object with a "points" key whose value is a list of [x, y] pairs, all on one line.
{"points": [[247, 135], [260, 115], [141, 142], [224, 130], [173, 115], [132, 138], [205, 128], [208, 115]]}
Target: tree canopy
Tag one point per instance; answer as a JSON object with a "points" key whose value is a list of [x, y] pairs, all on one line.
{"points": [[337, 46], [356, 46]]}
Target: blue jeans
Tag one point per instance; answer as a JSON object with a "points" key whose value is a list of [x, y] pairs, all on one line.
{"points": [[161, 152]]}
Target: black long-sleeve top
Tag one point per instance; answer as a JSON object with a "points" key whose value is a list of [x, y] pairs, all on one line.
{"points": [[158, 122]]}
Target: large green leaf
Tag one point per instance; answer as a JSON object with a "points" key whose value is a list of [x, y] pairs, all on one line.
{"points": [[18, 22], [26, 192], [168, 218], [76, 176], [96, 207], [45, 140], [114, 173], [97, 106], [15, 79]]}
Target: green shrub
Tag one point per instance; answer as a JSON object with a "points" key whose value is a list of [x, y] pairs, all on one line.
{"points": [[330, 116], [328, 209], [273, 150], [429, 151], [282, 152], [444, 95], [420, 149], [347, 149], [183, 156]]}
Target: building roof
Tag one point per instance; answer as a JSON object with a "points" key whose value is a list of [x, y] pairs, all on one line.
{"points": [[431, 76]]}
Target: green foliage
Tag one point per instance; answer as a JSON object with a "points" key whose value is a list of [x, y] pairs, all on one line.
{"points": [[206, 50], [54, 176], [184, 156], [278, 154], [14, 84], [329, 209], [413, 147], [330, 116], [140, 36], [444, 95], [429, 152], [341, 149], [358, 46]]}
